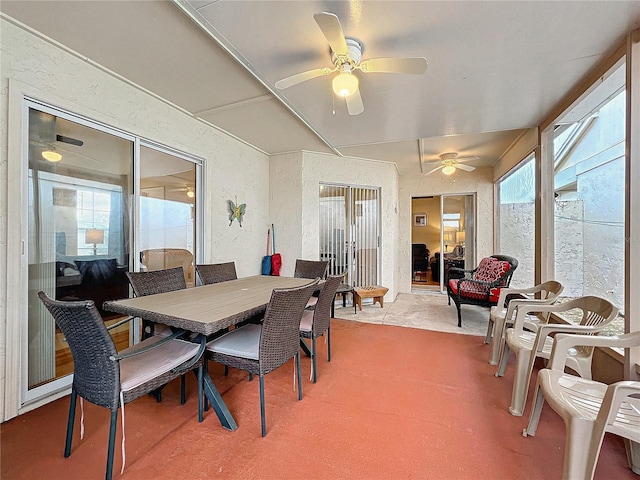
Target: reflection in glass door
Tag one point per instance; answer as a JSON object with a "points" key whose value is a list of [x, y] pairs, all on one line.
{"points": [[79, 184], [457, 234], [167, 212]]}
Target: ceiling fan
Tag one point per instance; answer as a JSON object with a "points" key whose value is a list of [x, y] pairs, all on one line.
{"points": [[189, 191], [346, 56], [43, 136], [449, 162]]}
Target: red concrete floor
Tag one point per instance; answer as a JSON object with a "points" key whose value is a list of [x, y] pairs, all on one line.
{"points": [[394, 403]]}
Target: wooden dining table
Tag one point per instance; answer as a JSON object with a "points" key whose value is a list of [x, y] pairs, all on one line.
{"points": [[205, 310]]}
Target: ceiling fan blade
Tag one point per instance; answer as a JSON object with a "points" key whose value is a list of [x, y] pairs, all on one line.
{"points": [[302, 77], [354, 103], [332, 30], [467, 159], [466, 168], [434, 170], [415, 65], [69, 140]]}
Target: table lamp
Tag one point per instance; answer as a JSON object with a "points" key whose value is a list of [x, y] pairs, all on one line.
{"points": [[94, 236]]}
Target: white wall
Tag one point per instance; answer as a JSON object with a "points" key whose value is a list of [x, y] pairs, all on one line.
{"points": [[32, 66], [479, 182], [295, 180]]}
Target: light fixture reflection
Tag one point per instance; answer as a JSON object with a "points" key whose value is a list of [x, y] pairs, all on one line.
{"points": [[51, 156], [345, 84], [448, 170], [190, 193]]}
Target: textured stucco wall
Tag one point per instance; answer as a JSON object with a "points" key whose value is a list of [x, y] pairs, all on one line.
{"points": [[300, 227], [479, 182], [32, 66], [517, 234]]}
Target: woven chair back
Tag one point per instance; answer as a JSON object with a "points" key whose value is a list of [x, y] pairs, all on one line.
{"points": [[157, 281], [95, 377], [280, 334], [217, 272], [322, 310], [311, 269]]}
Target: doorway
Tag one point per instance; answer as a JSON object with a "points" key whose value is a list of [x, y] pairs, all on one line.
{"points": [[441, 223]]}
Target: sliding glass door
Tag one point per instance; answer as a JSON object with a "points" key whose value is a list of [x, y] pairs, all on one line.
{"points": [[79, 186], [349, 232], [167, 212], [84, 230]]}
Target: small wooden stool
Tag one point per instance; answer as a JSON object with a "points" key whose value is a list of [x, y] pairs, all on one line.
{"points": [[371, 291]]}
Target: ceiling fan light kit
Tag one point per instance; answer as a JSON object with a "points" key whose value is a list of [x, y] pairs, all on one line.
{"points": [[51, 156], [345, 84], [448, 169]]}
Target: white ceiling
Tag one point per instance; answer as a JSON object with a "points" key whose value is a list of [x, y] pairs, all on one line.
{"points": [[494, 68]]}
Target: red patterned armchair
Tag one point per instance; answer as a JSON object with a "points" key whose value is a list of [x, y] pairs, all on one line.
{"points": [[480, 286]]}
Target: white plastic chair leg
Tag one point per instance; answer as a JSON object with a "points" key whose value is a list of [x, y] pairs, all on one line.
{"points": [[497, 342], [521, 379], [576, 448], [490, 333], [503, 360], [536, 410]]}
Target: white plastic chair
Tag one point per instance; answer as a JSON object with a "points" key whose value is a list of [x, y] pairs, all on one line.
{"points": [[588, 408], [596, 314], [501, 317]]}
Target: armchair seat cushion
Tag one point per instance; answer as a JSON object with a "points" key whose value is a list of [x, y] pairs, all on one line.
{"points": [[474, 290]]}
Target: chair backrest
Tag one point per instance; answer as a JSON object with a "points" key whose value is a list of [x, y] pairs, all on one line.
{"points": [[594, 312], [280, 333], [95, 377], [513, 264], [322, 309], [164, 258], [216, 272], [311, 269], [157, 281]]}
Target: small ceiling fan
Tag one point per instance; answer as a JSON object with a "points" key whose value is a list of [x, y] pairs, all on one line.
{"points": [[449, 162], [190, 192], [346, 56], [43, 136]]}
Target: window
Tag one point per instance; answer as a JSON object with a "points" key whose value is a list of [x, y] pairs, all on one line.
{"points": [[516, 221], [589, 190]]}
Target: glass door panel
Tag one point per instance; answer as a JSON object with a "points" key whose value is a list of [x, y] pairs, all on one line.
{"points": [[79, 185], [167, 212], [349, 220], [457, 234]]}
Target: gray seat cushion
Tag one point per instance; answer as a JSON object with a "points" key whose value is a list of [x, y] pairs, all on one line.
{"points": [[306, 323], [242, 342]]}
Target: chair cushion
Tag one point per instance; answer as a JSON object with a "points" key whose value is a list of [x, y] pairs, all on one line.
{"points": [[138, 369], [312, 302], [474, 290], [491, 269], [306, 324], [242, 342]]}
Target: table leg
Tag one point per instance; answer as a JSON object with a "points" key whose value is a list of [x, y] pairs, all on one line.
{"points": [[214, 397]]}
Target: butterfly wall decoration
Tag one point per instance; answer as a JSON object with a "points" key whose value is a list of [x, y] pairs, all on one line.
{"points": [[236, 212]]}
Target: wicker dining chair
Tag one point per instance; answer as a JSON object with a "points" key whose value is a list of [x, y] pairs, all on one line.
{"points": [[315, 323], [111, 379], [216, 272], [260, 349], [311, 269], [150, 283]]}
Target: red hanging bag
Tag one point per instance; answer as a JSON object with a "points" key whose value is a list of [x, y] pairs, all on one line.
{"points": [[276, 259]]}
